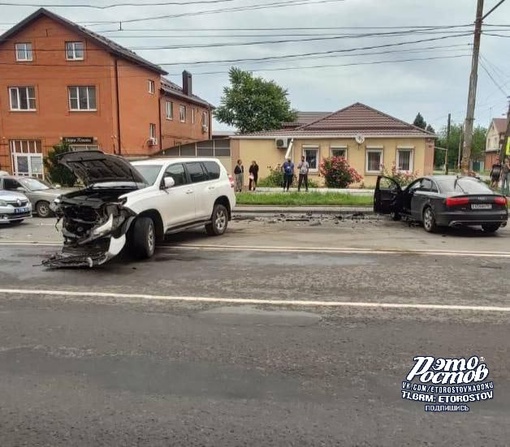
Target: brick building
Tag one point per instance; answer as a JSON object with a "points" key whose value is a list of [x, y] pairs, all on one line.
{"points": [[60, 82]]}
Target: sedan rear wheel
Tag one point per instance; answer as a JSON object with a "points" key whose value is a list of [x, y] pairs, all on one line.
{"points": [[429, 220], [43, 209], [491, 227]]}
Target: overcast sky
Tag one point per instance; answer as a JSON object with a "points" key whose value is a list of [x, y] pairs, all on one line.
{"points": [[338, 69]]}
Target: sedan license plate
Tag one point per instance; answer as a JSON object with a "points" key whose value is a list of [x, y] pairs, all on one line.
{"points": [[481, 206], [21, 210]]}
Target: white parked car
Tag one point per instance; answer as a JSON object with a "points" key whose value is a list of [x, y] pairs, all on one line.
{"points": [[137, 203], [14, 207]]}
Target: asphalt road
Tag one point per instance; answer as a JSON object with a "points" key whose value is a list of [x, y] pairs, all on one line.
{"points": [[277, 334]]}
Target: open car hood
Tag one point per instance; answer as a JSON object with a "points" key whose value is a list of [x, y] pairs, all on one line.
{"points": [[96, 167]]}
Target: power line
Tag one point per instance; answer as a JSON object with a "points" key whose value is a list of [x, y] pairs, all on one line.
{"points": [[116, 5], [492, 79]]}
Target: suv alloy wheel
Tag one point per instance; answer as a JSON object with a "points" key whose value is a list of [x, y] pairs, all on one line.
{"points": [[219, 219]]}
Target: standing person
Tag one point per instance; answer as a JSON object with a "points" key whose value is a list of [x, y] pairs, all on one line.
{"points": [[495, 173], [303, 167], [288, 173], [505, 177], [239, 175], [254, 175]]}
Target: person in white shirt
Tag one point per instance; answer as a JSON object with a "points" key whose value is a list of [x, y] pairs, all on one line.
{"points": [[303, 168]]}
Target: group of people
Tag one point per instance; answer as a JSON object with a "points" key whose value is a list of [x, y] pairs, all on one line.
{"points": [[287, 170], [288, 173], [501, 173], [253, 172]]}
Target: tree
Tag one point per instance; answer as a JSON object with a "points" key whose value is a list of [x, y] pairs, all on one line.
{"points": [[56, 172], [430, 129], [252, 104], [419, 121], [456, 131]]}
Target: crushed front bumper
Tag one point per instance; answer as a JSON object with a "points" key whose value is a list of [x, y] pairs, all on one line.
{"points": [[87, 256]]}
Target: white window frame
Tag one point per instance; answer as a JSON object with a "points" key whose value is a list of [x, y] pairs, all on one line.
{"points": [[317, 151], [26, 49], [29, 98], [73, 48], [411, 159], [378, 150], [338, 148], [78, 87], [152, 130], [151, 85], [182, 114], [193, 117], [205, 118], [31, 149], [169, 110]]}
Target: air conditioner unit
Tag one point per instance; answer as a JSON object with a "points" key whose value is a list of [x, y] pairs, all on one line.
{"points": [[152, 141], [282, 143], [205, 128]]}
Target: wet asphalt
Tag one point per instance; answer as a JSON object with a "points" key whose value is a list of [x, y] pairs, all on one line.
{"points": [[128, 370]]}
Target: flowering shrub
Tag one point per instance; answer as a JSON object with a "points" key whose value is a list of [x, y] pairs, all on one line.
{"points": [[403, 178], [337, 172]]}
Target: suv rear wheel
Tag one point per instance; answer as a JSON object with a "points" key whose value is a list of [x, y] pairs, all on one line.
{"points": [[219, 221], [143, 238]]}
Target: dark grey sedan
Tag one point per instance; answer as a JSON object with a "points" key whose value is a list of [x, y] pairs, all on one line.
{"points": [[442, 201]]}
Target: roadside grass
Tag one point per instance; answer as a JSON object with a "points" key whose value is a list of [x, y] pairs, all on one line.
{"points": [[303, 198]]}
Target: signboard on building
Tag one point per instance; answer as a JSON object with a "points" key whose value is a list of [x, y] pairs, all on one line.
{"points": [[78, 140]]}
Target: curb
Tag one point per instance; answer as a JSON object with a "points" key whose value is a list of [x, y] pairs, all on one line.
{"points": [[303, 210]]}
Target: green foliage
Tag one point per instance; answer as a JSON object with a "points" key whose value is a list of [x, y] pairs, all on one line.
{"points": [[304, 199], [275, 179], [456, 137], [59, 174], [420, 122], [337, 172], [403, 178], [252, 104]]}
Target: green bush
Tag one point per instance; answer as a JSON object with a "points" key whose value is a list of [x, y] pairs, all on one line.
{"points": [[337, 173], [57, 173], [275, 179]]}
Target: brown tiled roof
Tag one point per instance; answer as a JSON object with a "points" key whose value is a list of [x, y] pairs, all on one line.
{"points": [[500, 124], [348, 122], [173, 89], [305, 118], [101, 41]]}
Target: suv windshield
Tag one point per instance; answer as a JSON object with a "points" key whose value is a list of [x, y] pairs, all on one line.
{"points": [[34, 185], [149, 172]]}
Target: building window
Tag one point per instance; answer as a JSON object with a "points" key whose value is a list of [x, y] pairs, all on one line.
{"points": [[312, 157], [82, 98], [75, 51], [27, 158], [374, 160], [339, 151], [405, 159], [22, 98], [23, 52], [193, 111], [182, 114], [152, 130], [169, 106], [205, 119], [222, 148], [151, 86]]}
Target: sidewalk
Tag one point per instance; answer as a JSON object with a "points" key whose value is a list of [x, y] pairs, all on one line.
{"points": [[259, 209]]}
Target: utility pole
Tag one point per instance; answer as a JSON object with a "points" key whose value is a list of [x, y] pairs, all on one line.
{"points": [[447, 144], [470, 116]]}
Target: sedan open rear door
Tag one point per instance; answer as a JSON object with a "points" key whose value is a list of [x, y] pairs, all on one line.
{"points": [[387, 196]]}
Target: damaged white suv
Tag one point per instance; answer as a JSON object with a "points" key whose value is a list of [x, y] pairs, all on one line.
{"points": [[134, 204]]}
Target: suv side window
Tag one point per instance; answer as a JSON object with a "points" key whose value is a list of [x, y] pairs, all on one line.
{"points": [[11, 185], [196, 172], [177, 173], [213, 170]]}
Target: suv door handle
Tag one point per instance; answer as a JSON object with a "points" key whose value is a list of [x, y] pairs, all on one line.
{"points": [[189, 191], [211, 187]]}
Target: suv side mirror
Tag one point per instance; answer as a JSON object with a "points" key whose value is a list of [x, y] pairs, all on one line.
{"points": [[20, 189], [168, 182]]}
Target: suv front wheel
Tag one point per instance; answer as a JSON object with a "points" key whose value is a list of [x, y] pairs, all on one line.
{"points": [[219, 221], [143, 242]]}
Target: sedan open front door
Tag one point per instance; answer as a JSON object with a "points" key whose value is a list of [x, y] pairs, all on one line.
{"points": [[387, 196]]}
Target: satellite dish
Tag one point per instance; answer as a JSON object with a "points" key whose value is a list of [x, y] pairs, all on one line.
{"points": [[359, 139]]}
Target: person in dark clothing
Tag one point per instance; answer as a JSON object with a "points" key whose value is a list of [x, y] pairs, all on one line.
{"points": [[288, 174], [239, 175], [254, 175], [495, 173]]}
